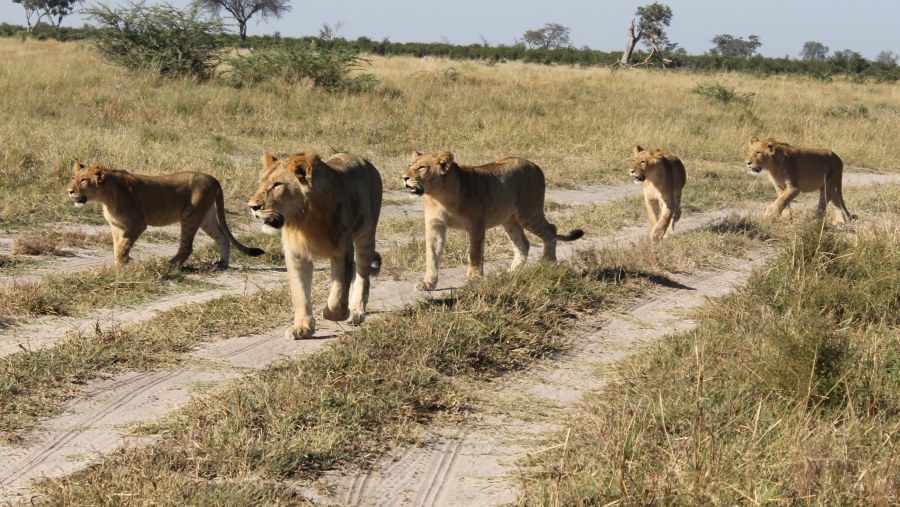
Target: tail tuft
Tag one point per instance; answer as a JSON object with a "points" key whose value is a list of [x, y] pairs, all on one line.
{"points": [[254, 252], [571, 236], [376, 264]]}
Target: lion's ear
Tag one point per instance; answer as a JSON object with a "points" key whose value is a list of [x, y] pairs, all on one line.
{"points": [[99, 173], [638, 149], [771, 147], [77, 167], [414, 156], [267, 160], [303, 169], [445, 160], [753, 140]]}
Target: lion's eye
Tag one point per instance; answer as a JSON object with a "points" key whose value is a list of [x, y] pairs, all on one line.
{"points": [[422, 168], [82, 180], [274, 186], [643, 163]]}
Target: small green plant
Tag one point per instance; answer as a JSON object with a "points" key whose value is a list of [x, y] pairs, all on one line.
{"points": [[161, 38], [719, 93], [330, 69]]}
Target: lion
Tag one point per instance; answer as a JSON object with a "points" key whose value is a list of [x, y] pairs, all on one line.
{"points": [[324, 209], [663, 178], [131, 202], [794, 170], [508, 192]]}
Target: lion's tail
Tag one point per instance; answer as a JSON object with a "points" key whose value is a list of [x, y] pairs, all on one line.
{"points": [[375, 269], [571, 236], [223, 225]]}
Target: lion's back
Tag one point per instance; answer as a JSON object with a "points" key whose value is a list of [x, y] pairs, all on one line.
{"points": [[358, 177]]}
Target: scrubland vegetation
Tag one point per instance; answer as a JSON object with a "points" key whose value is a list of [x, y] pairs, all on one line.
{"points": [[786, 392]]}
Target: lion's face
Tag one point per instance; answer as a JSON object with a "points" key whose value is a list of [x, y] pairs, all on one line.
{"points": [[426, 171], [284, 189], [85, 183], [644, 163], [760, 154]]}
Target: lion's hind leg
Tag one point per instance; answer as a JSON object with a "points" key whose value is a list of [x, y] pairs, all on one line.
{"points": [[189, 227], [210, 226], [516, 235], [367, 264], [540, 227], [836, 197], [338, 307]]}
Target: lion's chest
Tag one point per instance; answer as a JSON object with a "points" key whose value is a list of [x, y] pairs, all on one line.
{"points": [[652, 191]]}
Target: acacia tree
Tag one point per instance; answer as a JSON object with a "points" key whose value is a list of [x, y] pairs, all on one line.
{"points": [[243, 10], [814, 51], [52, 10], [651, 22], [551, 36], [734, 47]]}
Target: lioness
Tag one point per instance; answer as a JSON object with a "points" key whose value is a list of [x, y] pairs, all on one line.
{"points": [[323, 208], [131, 202], [662, 177], [794, 170], [508, 192]]}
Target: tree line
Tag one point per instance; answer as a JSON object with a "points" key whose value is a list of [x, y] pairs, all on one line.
{"points": [[549, 44]]}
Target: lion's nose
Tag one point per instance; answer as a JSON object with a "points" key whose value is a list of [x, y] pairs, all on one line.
{"points": [[406, 178]]}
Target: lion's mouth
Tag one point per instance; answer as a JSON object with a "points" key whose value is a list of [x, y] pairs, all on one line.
{"points": [[755, 169], [275, 221], [80, 200], [639, 178], [416, 190]]}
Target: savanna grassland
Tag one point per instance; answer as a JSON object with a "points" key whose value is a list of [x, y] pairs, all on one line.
{"points": [[787, 391]]}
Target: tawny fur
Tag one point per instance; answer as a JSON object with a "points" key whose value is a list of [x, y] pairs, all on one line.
{"points": [[131, 202], [324, 209], [662, 177], [508, 193], [794, 170]]}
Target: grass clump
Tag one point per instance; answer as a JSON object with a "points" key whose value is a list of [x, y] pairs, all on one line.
{"points": [[81, 291], [787, 392]]}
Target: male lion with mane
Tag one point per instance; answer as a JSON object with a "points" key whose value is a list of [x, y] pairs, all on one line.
{"points": [[663, 177], [508, 192], [794, 170], [328, 209], [131, 202]]}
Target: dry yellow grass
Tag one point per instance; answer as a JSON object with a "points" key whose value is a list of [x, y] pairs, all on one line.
{"points": [[63, 103]]}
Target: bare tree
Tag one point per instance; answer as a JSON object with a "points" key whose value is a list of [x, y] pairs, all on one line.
{"points": [[243, 10], [649, 26], [329, 32]]}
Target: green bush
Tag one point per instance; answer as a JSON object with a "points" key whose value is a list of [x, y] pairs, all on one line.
{"points": [[328, 68], [160, 38]]}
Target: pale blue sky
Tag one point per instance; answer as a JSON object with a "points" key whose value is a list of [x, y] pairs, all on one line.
{"points": [[866, 26]]}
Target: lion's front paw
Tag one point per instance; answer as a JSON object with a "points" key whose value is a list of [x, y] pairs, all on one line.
{"points": [[426, 285], [357, 318], [337, 315], [301, 332]]}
